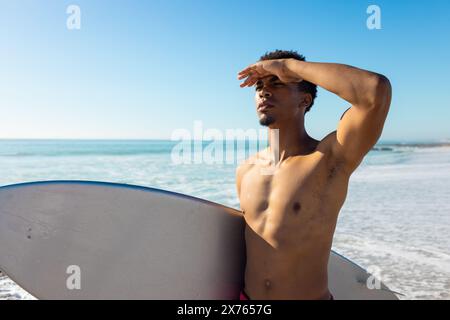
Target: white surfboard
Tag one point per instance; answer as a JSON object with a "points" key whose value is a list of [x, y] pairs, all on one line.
{"points": [[97, 240]]}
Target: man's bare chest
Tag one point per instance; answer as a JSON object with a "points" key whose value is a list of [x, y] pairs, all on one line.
{"points": [[306, 190]]}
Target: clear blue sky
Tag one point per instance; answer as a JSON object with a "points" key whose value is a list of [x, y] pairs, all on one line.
{"points": [[140, 69]]}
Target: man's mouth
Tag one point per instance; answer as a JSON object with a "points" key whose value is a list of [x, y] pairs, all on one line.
{"points": [[263, 106]]}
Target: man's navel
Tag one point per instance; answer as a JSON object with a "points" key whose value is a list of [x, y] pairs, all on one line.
{"points": [[267, 284], [263, 206]]}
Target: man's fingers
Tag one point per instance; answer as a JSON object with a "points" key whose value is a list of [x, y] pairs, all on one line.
{"points": [[251, 74], [249, 68], [244, 73], [246, 82], [247, 74], [244, 70], [243, 84], [251, 80]]}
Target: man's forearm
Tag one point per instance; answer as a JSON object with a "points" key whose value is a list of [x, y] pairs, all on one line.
{"points": [[357, 86]]}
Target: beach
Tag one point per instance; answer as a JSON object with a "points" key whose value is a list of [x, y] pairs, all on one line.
{"points": [[396, 218]]}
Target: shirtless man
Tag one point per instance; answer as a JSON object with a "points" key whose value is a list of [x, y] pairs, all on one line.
{"points": [[291, 210]]}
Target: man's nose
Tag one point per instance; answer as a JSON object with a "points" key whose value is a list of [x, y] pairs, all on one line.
{"points": [[265, 93]]}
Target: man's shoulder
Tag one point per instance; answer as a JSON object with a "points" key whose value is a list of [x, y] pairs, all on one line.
{"points": [[326, 144], [246, 164], [250, 162]]}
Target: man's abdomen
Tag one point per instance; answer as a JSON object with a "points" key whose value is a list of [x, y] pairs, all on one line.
{"points": [[286, 269]]}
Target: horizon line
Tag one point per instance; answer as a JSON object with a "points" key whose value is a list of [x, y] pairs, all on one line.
{"points": [[423, 140]]}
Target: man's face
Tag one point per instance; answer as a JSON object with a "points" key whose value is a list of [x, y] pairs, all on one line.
{"points": [[277, 102]]}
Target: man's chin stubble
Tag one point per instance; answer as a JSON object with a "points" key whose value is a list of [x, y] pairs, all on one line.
{"points": [[266, 121]]}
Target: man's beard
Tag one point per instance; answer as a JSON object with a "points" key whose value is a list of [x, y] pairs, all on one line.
{"points": [[266, 121]]}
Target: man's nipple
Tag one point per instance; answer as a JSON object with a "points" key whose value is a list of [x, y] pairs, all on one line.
{"points": [[297, 207]]}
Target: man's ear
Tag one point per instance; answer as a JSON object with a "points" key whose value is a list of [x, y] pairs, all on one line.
{"points": [[306, 101]]}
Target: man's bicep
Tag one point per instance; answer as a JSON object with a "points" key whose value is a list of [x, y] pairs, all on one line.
{"points": [[357, 132]]}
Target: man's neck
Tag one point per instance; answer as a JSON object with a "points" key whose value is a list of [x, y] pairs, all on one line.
{"points": [[291, 140]]}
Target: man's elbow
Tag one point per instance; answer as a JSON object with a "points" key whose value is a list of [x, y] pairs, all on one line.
{"points": [[380, 93]]}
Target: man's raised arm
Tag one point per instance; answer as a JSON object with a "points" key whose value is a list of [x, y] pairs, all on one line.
{"points": [[369, 94]]}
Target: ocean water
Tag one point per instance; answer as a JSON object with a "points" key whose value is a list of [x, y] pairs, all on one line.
{"points": [[395, 221]]}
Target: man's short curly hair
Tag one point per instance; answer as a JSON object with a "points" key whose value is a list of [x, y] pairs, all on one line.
{"points": [[304, 86]]}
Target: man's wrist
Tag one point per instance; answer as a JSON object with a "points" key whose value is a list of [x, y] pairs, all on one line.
{"points": [[294, 68]]}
